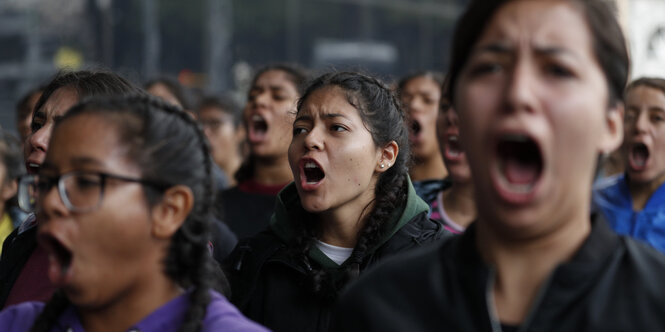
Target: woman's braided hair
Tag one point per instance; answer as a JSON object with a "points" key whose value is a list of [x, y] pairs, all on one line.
{"points": [[379, 109], [170, 149]]}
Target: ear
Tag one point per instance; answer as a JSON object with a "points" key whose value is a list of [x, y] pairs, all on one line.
{"points": [[170, 213], [613, 134], [387, 156], [9, 190]]}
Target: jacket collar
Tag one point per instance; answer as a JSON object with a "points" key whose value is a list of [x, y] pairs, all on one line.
{"points": [[288, 209]]}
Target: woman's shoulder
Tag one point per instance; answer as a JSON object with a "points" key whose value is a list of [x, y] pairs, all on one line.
{"points": [[20, 317], [221, 315]]}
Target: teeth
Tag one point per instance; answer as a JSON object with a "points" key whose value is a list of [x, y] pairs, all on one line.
{"points": [[310, 164], [453, 153], [453, 138], [33, 165], [257, 118]]}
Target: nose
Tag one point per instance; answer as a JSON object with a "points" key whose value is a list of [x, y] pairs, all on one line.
{"points": [[314, 140], [641, 122], [520, 88], [39, 139], [451, 117], [262, 99]]}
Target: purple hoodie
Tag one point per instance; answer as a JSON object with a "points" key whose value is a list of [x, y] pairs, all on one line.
{"points": [[220, 316]]}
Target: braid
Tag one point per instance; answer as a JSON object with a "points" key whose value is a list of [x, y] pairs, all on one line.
{"points": [[199, 274], [52, 310], [380, 110]]}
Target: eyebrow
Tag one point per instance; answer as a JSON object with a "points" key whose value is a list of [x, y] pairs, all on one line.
{"points": [[76, 162], [501, 48], [325, 116], [492, 48]]}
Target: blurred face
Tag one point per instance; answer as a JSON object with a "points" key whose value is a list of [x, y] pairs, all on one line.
{"points": [[332, 154], [42, 125], [534, 116], [219, 128], [420, 97], [644, 142], [451, 150], [269, 114], [95, 256]]}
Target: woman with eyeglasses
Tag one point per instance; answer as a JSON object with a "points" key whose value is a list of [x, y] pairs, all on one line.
{"points": [[23, 263], [124, 218]]}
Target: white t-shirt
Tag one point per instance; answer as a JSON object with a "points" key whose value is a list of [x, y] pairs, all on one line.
{"points": [[337, 254]]}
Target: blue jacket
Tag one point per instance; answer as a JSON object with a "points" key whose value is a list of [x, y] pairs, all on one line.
{"points": [[612, 198]]}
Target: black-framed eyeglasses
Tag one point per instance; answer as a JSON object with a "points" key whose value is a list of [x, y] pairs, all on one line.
{"points": [[80, 191]]}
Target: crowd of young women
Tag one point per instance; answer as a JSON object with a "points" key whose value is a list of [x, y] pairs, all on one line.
{"points": [[128, 212]]}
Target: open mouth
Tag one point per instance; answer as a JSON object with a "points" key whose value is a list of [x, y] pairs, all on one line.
{"points": [[453, 149], [313, 173], [520, 166], [32, 168], [258, 127], [60, 259], [415, 127], [638, 156]]}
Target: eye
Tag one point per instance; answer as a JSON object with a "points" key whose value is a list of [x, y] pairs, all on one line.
{"points": [[558, 71], [298, 131], [86, 181], [485, 68], [657, 118], [337, 128], [630, 116], [280, 97], [37, 123]]}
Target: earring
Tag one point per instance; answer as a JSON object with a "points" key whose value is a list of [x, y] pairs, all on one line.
{"points": [[382, 165]]}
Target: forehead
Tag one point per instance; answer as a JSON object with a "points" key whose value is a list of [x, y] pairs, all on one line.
{"points": [[274, 78], [645, 94], [543, 23], [421, 82], [329, 99], [86, 136], [60, 101]]}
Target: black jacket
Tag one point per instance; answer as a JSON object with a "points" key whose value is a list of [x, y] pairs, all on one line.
{"points": [[269, 282], [612, 283], [16, 250]]}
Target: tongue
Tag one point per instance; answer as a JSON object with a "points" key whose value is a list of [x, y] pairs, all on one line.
{"points": [[57, 273], [520, 173], [640, 156]]}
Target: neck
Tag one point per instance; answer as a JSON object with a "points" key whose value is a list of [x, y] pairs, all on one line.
{"points": [[641, 192], [523, 265], [132, 307], [272, 171], [460, 204], [341, 226], [428, 168]]}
